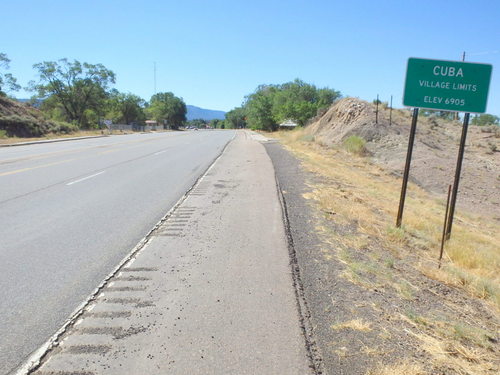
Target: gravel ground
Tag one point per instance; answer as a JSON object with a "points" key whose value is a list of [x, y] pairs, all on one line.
{"points": [[394, 303]]}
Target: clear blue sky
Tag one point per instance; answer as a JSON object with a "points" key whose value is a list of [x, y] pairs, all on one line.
{"points": [[213, 53]]}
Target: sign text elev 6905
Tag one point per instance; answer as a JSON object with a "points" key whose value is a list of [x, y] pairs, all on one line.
{"points": [[447, 85]]}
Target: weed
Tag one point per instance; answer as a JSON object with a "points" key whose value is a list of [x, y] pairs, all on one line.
{"points": [[396, 235], [417, 319], [355, 145], [488, 290], [405, 289], [355, 324], [467, 333], [400, 368], [307, 138], [389, 262]]}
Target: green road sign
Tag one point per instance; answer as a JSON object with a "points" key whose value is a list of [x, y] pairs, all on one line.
{"points": [[447, 85]]}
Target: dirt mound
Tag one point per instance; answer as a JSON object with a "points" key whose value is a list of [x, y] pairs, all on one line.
{"points": [[10, 107], [349, 116], [435, 150], [22, 120]]}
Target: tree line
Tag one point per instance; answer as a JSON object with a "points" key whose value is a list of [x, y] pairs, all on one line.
{"points": [[81, 94], [270, 105]]}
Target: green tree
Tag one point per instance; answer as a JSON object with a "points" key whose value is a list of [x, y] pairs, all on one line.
{"points": [[7, 81], [52, 108], [236, 118], [165, 106], [125, 108], [446, 115], [485, 119], [217, 124], [259, 109], [198, 123], [79, 88], [297, 100]]}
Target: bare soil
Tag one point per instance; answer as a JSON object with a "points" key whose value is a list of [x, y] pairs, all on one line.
{"points": [[372, 307], [377, 301], [435, 151]]}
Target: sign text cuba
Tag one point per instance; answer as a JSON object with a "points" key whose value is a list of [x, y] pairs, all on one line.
{"points": [[447, 85]]}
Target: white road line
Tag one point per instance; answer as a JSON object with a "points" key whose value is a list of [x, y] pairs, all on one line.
{"points": [[160, 152], [85, 178]]}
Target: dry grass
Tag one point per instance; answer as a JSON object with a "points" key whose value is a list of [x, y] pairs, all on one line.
{"points": [[401, 368], [355, 324], [360, 200], [451, 354], [363, 193]]}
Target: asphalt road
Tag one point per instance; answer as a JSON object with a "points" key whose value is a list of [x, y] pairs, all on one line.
{"points": [[71, 211], [211, 293]]}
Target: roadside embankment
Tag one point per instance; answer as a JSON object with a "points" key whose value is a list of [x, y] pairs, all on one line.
{"points": [[378, 302]]}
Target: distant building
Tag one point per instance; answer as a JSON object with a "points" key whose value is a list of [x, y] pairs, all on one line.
{"points": [[288, 124], [150, 125]]}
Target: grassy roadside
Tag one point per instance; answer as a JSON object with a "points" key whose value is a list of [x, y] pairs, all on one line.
{"points": [[455, 327]]}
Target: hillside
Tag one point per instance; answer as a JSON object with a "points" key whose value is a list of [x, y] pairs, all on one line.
{"points": [[21, 120], [380, 301], [435, 150]]}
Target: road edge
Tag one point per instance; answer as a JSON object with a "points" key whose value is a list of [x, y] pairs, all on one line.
{"points": [[35, 359], [306, 325], [51, 141]]}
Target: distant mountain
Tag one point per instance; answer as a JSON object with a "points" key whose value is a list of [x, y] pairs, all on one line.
{"points": [[194, 113], [36, 103]]}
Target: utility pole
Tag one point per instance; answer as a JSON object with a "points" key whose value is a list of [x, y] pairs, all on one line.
{"points": [[154, 74], [457, 116], [390, 113]]}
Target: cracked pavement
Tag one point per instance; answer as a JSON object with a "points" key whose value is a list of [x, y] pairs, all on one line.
{"points": [[211, 292]]}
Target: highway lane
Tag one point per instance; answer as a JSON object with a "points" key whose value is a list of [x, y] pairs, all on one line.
{"points": [[70, 212]]}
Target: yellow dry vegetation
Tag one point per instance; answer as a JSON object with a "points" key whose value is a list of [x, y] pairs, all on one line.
{"points": [[355, 324], [359, 191], [361, 198], [401, 368]]}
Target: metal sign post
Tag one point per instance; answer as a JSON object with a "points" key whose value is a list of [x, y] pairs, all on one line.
{"points": [[446, 86], [460, 159], [406, 174], [444, 226], [390, 113]]}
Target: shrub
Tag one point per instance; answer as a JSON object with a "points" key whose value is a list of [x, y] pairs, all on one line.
{"points": [[355, 145], [24, 126], [307, 138]]}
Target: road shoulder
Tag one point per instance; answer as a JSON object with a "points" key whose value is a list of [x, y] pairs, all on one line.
{"points": [[211, 292]]}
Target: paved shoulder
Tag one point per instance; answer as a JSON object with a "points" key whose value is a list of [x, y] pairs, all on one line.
{"points": [[313, 273], [210, 293]]}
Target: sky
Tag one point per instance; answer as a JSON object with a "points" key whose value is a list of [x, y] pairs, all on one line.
{"points": [[214, 53]]}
